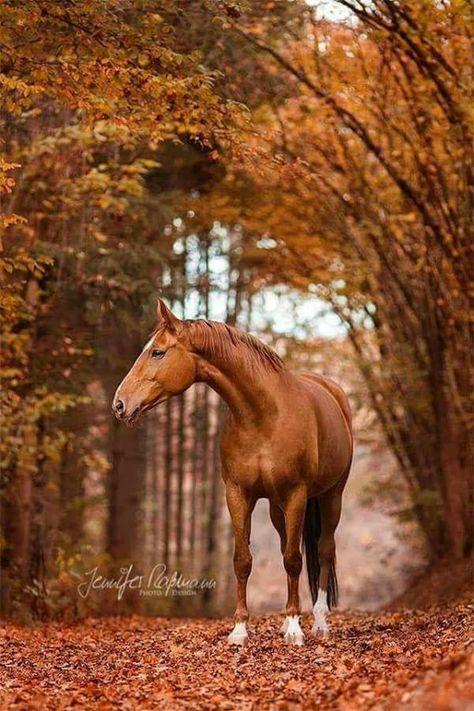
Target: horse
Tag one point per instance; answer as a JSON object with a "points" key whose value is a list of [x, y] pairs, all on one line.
{"points": [[287, 437]]}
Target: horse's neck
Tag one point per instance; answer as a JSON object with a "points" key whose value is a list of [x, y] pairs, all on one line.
{"points": [[249, 390]]}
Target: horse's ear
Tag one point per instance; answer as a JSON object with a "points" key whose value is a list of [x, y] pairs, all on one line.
{"points": [[165, 317]]}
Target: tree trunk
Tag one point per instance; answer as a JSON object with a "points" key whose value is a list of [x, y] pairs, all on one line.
{"points": [[167, 513], [72, 473], [16, 521], [126, 492]]}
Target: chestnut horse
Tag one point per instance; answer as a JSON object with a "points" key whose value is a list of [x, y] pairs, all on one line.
{"points": [[287, 437]]}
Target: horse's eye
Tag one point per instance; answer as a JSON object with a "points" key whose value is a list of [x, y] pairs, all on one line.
{"points": [[157, 354]]}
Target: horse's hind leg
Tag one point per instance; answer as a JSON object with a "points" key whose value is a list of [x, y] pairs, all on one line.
{"points": [[240, 506], [330, 512], [294, 512]]}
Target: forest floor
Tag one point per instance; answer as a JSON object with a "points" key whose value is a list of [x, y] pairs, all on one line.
{"points": [[405, 659]]}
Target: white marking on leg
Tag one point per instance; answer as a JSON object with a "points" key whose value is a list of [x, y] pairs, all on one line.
{"points": [[238, 635], [292, 630], [320, 610]]}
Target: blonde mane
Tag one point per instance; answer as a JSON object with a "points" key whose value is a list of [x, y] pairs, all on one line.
{"points": [[219, 339]]}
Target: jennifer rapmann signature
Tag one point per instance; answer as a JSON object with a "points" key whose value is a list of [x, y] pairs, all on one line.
{"points": [[157, 582]]}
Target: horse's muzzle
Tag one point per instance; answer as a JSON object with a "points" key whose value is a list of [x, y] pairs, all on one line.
{"points": [[119, 409]]}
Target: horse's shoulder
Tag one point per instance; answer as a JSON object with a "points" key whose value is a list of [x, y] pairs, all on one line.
{"points": [[332, 387]]}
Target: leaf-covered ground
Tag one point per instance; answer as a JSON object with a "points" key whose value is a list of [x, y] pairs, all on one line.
{"points": [[404, 659]]}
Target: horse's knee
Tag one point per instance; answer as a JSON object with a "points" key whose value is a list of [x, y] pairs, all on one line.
{"points": [[293, 562], [242, 565]]}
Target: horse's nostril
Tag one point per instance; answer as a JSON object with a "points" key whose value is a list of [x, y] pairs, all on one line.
{"points": [[119, 406]]}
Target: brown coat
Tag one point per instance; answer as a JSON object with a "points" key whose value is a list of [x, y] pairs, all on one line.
{"points": [[287, 437]]}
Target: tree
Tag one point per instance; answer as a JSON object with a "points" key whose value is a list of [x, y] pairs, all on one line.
{"points": [[368, 193], [90, 94]]}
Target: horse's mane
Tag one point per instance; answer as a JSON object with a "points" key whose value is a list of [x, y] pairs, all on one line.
{"points": [[224, 341]]}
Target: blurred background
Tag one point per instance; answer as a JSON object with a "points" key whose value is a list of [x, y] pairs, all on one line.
{"points": [[299, 170]]}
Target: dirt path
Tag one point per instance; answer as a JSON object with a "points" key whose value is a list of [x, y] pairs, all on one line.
{"points": [[408, 660]]}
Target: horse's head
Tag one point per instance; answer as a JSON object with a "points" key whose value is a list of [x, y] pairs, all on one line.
{"points": [[165, 367]]}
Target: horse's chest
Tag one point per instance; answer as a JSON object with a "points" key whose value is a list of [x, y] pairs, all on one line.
{"points": [[264, 464]]}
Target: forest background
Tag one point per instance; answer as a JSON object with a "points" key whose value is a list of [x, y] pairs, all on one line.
{"points": [[299, 170]]}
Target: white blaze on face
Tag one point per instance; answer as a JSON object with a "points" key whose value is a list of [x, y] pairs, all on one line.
{"points": [[148, 344]]}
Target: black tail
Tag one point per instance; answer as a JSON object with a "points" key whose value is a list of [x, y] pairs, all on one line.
{"points": [[311, 534]]}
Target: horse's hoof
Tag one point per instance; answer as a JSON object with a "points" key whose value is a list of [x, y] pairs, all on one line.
{"points": [[293, 634], [240, 640], [239, 635], [296, 639]]}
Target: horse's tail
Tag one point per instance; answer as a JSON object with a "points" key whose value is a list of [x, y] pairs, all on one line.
{"points": [[311, 535]]}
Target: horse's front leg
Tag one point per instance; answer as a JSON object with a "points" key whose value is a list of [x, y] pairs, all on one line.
{"points": [[294, 512], [240, 505]]}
